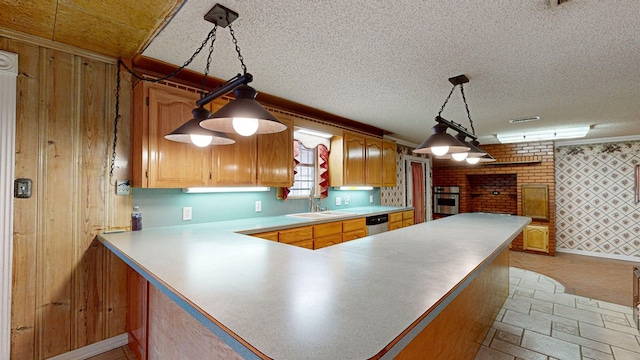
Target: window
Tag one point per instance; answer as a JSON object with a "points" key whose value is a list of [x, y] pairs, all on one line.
{"points": [[305, 177]]}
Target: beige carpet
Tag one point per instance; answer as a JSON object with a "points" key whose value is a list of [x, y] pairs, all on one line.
{"points": [[596, 278]]}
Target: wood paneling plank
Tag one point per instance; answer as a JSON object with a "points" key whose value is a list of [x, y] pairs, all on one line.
{"points": [[55, 241], [25, 227]]}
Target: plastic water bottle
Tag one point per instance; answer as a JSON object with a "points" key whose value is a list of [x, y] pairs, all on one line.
{"points": [[136, 219]]}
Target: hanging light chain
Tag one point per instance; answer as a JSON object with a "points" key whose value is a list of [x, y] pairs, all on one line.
{"points": [[116, 119], [235, 42], [447, 100], [206, 69], [473, 130]]}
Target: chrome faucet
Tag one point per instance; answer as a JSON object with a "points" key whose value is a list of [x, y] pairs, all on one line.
{"points": [[312, 199]]}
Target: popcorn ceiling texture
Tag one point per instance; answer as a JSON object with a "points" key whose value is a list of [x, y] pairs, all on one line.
{"points": [[596, 210], [386, 63]]}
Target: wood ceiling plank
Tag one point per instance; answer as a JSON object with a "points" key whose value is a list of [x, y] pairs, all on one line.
{"points": [[31, 17], [115, 28]]}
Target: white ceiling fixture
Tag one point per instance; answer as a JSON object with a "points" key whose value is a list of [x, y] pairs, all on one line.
{"points": [[541, 135], [517, 121]]}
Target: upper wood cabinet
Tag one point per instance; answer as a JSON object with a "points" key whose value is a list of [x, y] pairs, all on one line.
{"points": [[389, 163], [357, 160], [275, 156], [373, 162], [157, 162], [265, 160]]}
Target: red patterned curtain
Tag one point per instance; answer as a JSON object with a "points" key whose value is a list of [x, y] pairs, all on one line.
{"points": [[296, 161], [323, 170]]}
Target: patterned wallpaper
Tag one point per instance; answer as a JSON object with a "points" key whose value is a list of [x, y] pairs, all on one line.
{"points": [[595, 205], [394, 196]]}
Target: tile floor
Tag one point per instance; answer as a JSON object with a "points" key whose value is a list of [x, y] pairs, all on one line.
{"points": [[540, 321]]}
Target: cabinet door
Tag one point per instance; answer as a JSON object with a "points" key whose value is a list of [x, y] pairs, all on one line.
{"points": [[325, 241], [275, 156], [354, 160], [294, 235], [395, 225], [373, 163], [536, 237], [271, 235], [137, 310], [352, 235], [388, 163], [173, 164], [234, 165]]}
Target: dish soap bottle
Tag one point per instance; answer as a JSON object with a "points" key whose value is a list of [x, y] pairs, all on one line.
{"points": [[136, 219]]}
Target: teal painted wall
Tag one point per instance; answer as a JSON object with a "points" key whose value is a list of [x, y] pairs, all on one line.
{"points": [[163, 207]]}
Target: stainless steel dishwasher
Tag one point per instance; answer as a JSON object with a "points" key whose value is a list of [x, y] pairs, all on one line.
{"points": [[377, 224]]}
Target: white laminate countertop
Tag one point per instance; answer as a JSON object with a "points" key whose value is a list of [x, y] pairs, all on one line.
{"points": [[347, 301]]}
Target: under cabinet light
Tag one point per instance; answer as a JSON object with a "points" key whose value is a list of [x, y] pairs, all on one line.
{"points": [[354, 188], [540, 135], [200, 190], [314, 132]]}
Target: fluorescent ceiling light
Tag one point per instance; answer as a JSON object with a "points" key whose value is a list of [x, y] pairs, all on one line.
{"points": [[354, 188], [199, 190], [540, 135], [314, 132]]}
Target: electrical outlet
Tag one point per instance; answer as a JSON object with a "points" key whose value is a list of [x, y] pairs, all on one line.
{"points": [[338, 200], [347, 199], [258, 206], [371, 199], [186, 213], [123, 187]]}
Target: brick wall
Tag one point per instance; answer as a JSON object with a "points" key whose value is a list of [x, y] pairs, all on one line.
{"points": [[528, 163]]}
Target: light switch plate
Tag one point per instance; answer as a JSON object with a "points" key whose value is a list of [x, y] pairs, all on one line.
{"points": [[338, 200], [371, 199], [22, 188], [258, 206]]}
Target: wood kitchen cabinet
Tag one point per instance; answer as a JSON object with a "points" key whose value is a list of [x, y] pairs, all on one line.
{"points": [[354, 229], [347, 160], [327, 234], [275, 156], [399, 220], [156, 161], [407, 218], [265, 160], [389, 149], [536, 238], [373, 162], [358, 160]]}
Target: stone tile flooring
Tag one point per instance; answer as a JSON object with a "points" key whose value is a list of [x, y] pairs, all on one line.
{"points": [[539, 321]]}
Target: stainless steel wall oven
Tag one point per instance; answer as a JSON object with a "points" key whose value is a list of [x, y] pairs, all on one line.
{"points": [[446, 200]]}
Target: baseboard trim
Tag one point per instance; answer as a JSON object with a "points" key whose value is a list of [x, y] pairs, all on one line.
{"points": [[599, 255], [94, 349]]}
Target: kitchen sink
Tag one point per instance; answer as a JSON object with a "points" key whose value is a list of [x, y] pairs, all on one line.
{"points": [[321, 215]]}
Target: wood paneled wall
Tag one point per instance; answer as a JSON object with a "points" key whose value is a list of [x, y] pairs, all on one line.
{"points": [[68, 291]]}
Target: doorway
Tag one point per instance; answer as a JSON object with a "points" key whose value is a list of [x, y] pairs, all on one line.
{"points": [[418, 189]]}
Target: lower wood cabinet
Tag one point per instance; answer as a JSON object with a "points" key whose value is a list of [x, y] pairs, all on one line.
{"points": [[399, 220], [137, 313], [536, 238], [320, 235]]}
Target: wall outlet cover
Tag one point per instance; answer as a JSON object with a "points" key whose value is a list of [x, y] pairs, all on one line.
{"points": [[187, 213], [258, 206], [338, 200], [123, 187], [371, 199]]}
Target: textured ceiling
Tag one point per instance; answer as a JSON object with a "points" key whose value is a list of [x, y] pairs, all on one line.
{"points": [[387, 63], [115, 28]]}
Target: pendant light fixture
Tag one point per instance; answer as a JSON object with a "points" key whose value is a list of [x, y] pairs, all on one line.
{"points": [[243, 115], [445, 146]]}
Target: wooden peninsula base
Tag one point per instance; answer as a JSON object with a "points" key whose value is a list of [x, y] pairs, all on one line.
{"points": [[455, 333]]}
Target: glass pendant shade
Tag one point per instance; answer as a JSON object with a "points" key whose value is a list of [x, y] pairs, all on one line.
{"points": [[191, 132], [473, 160], [236, 113], [459, 156], [440, 143]]}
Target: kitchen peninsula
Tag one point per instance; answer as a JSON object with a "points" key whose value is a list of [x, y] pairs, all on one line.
{"points": [[431, 288]]}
